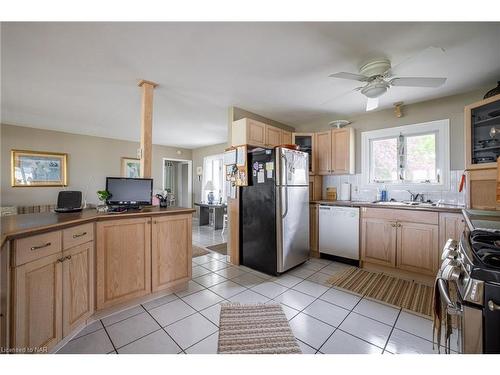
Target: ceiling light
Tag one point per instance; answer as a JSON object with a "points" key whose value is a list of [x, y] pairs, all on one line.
{"points": [[339, 123], [376, 89]]}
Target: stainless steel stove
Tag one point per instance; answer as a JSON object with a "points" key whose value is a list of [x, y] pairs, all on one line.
{"points": [[473, 265]]}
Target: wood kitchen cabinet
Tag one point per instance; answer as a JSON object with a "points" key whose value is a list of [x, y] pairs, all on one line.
{"points": [[78, 285], [313, 230], [315, 188], [38, 303], [400, 239], [256, 133], [323, 153], [378, 241], [123, 260], [451, 225], [273, 136], [171, 263], [417, 247], [286, 137], [343, 151], [335, 151]]}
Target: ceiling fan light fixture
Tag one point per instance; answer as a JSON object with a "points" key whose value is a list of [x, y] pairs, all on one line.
{"points": [[374, 90], [339, 123]]}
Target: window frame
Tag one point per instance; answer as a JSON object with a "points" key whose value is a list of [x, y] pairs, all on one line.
{"points": [[439, 127]]}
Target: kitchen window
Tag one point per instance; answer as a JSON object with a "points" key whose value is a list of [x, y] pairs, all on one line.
{"points": [[412, 156]]}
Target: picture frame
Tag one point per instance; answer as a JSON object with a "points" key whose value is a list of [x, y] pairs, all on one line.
{"points": [[38, 168], [131, 167]]}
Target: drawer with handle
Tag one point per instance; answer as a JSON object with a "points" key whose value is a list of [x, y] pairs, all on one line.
{"points": [[78, 235], [35, 247]]}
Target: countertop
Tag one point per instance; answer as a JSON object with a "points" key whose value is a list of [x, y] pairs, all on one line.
{"points": [[395, 205], [22, 225]]}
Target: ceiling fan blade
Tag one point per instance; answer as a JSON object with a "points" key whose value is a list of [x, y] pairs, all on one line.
{"points": [[351, 76], [428, 54], [418, 81], [371, 104]]}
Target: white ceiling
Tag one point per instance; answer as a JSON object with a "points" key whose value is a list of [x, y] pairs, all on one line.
{"points": [[82, 77]]}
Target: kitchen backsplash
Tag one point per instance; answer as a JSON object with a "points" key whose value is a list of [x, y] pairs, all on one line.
{"points": [[361, 193]]}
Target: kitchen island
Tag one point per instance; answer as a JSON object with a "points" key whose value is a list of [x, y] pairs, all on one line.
{"points": [[60, 271]]}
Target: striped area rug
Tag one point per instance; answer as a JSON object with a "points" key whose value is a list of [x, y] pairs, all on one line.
{"points": [[391, 290], [255, 329]]}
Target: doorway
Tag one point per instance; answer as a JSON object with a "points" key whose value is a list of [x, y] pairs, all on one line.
{"points": [[178, 180]]}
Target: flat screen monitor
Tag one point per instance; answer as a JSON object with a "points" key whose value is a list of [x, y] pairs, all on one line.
{"points": [[129, 191]]}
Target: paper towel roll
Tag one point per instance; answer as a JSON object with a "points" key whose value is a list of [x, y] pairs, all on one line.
{"points": [[345, 191]]}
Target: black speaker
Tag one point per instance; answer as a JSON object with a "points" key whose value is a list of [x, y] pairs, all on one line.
{"points": [[69, 201]]}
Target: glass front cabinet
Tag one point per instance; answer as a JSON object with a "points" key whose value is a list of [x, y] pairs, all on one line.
{"points": [[305, 141], [482, 149], [482, 133]]}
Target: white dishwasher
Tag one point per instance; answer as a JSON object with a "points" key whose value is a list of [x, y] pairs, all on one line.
{"points": [[339, 231]]}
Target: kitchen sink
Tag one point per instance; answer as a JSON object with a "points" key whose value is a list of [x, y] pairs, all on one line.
{"points": [[406, 203]]}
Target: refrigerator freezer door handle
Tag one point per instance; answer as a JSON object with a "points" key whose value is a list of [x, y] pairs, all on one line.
{"points": [[285, 166]]}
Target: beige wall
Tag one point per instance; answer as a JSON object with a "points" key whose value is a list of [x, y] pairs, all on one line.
{"points": [[451, 107], [90, 160], [198, 155]]}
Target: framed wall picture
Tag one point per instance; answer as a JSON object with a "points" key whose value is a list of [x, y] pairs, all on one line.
{"points": [[38, 168], [131, 167]]}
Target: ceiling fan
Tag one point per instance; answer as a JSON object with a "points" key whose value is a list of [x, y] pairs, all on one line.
{"points": [[379, 77]]}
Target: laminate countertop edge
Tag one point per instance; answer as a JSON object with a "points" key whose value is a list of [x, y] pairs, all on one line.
{"points": [[18, 226], [440, 208]]}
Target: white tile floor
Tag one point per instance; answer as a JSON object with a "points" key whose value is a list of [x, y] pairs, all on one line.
{"points": [[323, 319]]}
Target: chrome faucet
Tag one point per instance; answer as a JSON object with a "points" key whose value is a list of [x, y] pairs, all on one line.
{"points": [[418, 197]]}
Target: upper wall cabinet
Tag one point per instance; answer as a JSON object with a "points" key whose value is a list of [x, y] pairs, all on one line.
{"points": [[256, 133], [306, 143], [335, 151], [482, 133]]}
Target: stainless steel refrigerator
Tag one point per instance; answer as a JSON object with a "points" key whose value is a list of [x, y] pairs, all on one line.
{"points": [[274, 210]]}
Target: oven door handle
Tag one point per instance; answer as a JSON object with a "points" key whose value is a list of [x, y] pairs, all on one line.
{"points": [[453, 308]]}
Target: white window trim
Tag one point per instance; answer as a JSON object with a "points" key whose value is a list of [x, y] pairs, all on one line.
{"points": [[441, 127]]}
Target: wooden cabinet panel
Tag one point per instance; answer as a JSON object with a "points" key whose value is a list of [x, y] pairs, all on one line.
{"points": [[273, 136], [323, 152], [450, 226], [315, 188], [313, 229], [171, 251], [378, 241], [36, 247], [77, 235], [37, 306], [123, 260], [286, 137], [256, 133], [418, 247], [78, 286], [413, 216], [342, 151]]}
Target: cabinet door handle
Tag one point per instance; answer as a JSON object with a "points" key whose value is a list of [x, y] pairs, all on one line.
{"points": [[68, 257], [493, 306], [394, 225], [60, 260], [41, 246], [79, 234], [399, 225]]}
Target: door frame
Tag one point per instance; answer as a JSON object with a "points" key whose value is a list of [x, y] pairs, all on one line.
{"points": [[190, 177]]}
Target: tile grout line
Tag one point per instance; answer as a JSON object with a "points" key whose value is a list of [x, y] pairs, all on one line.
{"points": [[392, 330], [337, 328], [109, 337], [164, 330]]}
